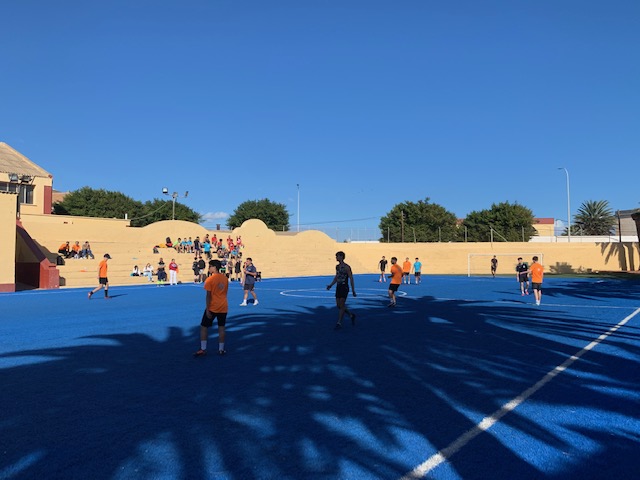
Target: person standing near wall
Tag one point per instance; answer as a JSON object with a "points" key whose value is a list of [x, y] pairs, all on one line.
{"points": [[417, 271], [406, 271], [173, 272], [383, 268]]}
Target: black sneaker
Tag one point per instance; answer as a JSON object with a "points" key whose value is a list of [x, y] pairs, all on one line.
{"points": [[200, 353], [222, 352], [338, 326], [392, 304], [353, 319]]}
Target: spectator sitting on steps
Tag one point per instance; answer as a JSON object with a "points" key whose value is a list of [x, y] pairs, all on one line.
{"points": [[64, 250], [86, 250]]}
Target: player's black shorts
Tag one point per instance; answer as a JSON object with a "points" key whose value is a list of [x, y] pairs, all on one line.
{"points": [[523, 277], [417, 274], [394, 287], [248, 287], [342, 290], [103, 280], [536, 286], [207, 322]]}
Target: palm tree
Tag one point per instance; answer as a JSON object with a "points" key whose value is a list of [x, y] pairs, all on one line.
{"points": [[595, 218]]}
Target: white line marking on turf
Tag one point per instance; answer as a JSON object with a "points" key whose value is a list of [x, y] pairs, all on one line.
{"points": [[329, 294], [487, 422]]}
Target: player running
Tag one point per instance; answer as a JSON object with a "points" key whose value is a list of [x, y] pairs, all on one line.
{"points": [[343, 277]]}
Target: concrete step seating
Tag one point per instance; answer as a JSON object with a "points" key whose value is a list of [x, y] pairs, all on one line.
{"points": [[84, 272]]}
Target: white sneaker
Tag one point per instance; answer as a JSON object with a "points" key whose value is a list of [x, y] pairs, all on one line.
{"points": [[243, 304], [255, 302]]}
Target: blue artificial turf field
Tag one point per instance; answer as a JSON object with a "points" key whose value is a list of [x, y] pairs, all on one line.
{"points": [[109, 390]]}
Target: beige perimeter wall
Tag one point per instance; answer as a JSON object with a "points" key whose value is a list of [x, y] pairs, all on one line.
{"points": [[312, 252], [8, 207]]}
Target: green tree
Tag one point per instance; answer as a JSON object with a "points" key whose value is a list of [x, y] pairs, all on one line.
{"points": [[161, 209], [419, 221], [275, 215], [509, 222], [88, 202], [594, 217]]}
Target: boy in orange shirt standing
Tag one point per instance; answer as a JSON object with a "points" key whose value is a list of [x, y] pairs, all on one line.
{"points": [[102, 278], [537, 273], [217, 306], [396, 280], [406, 271]]}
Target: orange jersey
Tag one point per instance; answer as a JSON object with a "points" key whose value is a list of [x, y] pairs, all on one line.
{"points": [[64, 246], [217, 285], [102, 269], [537, 271], [406, 267], [396, 274]]}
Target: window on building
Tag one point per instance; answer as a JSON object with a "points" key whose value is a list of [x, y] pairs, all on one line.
{"points": [[25, 192]]}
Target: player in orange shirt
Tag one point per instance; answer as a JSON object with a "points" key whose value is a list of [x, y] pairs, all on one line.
{"points": [[396, 280], [406, 271], [537, 274], [102, 277], [217, 306]]}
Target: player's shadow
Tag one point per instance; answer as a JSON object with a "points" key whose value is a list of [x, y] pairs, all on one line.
{"points": [[295, 399]]}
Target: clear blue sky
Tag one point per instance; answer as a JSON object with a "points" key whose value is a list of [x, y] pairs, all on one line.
{"points": [[364, 104]]}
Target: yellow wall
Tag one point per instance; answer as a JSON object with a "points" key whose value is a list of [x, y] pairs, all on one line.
{"points": [[39, 184], [308, 253], [8, 206]]}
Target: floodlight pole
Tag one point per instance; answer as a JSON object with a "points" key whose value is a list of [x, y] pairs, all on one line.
{"points": [[174, 196], [568, 204]]}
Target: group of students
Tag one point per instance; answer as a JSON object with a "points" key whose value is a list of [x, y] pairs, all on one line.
{"points": [[76, 251], [407, 269], [206, 246]]}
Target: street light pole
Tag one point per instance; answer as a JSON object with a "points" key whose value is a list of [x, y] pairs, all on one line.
{"points": [[568, 203], [298, 214]]}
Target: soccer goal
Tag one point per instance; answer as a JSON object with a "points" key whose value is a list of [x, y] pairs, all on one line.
{"points": [[480, 263]]}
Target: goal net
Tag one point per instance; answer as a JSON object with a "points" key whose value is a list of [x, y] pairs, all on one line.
{"points": [[480, 263]]}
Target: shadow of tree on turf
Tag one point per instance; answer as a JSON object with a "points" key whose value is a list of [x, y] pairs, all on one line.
{"points": [[295, 399]]}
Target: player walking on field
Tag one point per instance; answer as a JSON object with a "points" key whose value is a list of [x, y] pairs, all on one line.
{"points": [[396, 280], [102, 277], [383, 268], [522, 275], [216, 306], [343, 277], [494, 266], [537, 274]]}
